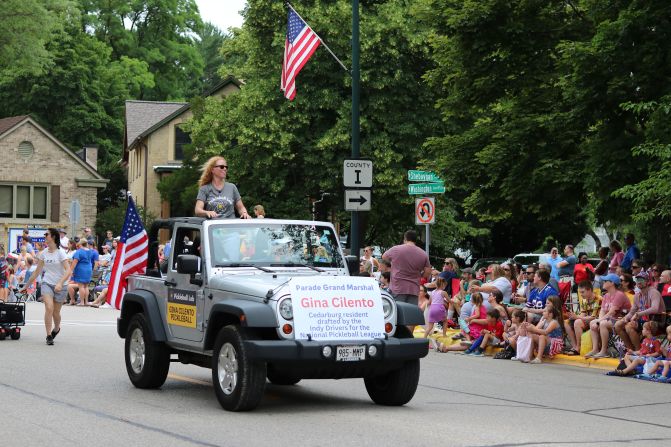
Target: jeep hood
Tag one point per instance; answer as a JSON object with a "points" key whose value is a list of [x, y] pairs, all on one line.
{"points": [[254, 284]]}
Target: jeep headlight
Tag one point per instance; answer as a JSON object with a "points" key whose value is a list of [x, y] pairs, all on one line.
{"points": [[387, 307], [286, 309]]}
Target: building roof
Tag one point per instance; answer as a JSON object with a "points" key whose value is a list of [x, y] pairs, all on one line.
{"points": [[144, 117], [8, 123], [141, 116]]}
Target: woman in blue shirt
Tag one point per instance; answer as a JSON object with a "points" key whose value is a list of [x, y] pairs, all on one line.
{"points": [[81, 269]]}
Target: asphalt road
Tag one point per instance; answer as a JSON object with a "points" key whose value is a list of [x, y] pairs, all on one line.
{"points": [[77, 393]]}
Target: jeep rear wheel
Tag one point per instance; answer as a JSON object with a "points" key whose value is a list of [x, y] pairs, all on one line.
{"points": [[394, 388], [147, 361], [238, 380]]}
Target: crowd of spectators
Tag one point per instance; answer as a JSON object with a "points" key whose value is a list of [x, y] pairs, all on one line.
{"points": [[565, 304], [90, 267]]}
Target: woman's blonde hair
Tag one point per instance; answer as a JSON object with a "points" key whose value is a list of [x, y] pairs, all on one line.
{"points": [[208, 166]]}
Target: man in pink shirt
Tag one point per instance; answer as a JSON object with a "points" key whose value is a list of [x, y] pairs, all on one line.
{"points": [[409, 263]]}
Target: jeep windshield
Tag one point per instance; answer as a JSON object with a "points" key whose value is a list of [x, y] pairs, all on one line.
{"points": [[274, 245]]}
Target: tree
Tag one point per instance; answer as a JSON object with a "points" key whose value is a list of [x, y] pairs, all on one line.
{"points": [[209, 44], [80, 99], [283, 153], [508, 155], [158, 32], [26, 26]]}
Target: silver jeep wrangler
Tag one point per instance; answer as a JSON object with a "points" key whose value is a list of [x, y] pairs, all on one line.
{"points": [[221, 300]]}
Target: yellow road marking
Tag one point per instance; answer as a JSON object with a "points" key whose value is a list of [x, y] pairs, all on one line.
{"points": [[189, 380]]}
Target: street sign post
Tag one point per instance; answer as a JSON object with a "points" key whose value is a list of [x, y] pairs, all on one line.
{"points": [[426, 188], [425, 214], [423, 176], [357, 174], [75, 214], [357, 200]]}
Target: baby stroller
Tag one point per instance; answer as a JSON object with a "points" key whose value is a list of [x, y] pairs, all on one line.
{"points": [[12, 316]]}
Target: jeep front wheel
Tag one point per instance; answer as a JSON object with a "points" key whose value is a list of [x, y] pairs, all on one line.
{"points": [[147, 361], [394, 388], [238, 380]]}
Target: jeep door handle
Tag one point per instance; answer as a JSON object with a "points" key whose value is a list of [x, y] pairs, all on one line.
{"points": [[170, 283]]}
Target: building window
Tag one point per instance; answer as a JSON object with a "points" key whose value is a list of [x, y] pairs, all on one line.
{"points": [[181, 139], [23, 201], [26, 149]]}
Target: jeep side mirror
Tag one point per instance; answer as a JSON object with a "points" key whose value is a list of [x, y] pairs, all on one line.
{"points": [[352, 265], [188, 264]]}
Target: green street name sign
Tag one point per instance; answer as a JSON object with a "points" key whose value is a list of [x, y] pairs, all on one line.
{"points": [[423, 176], [426, 188]]}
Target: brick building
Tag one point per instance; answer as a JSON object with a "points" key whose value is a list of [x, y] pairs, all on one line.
{"points": [[39, 179]]}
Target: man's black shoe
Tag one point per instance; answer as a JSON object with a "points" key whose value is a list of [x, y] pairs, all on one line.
{"points": [[50, 340]]}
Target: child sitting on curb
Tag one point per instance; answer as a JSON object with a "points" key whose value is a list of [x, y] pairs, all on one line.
{"points": [[660, 369], [465, 311], [647, 355], [513, 326], [475, 327], [548, 335], [491, 335]]}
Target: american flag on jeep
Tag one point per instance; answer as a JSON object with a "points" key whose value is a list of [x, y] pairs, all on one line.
{"points": [[130, 257]]}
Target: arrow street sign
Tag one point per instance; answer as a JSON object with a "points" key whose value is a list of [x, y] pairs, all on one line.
{"points": [[423, 176], [425, 211], [357, 199], [426, 188], [357, 174]]}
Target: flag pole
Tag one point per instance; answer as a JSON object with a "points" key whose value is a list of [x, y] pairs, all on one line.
{"points": [[318, 37]]}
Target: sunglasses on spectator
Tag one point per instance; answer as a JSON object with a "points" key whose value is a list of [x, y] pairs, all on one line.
{"points": [[636, 266], [506, 270], [222, 166], [655, 270], [529, 273]]}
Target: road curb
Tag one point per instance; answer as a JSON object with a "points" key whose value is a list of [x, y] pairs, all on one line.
{"points": [[606, 364]]}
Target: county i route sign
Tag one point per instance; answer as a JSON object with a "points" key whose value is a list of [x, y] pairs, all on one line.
{"points": [[357, 173]]}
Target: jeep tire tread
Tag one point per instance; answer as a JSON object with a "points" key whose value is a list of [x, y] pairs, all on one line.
{"points": [[394, 388], [239, 381], [147, 361]]}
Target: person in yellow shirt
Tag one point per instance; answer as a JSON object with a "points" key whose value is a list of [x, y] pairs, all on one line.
{"points": [[589, 305]]}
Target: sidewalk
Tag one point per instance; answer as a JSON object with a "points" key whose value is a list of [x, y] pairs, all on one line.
{"points": [[561, 359]]}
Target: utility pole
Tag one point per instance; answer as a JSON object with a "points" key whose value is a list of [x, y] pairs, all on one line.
{"points": [[354, 230]]}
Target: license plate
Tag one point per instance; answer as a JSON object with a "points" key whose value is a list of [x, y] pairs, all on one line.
{"points": [[350, 353]]}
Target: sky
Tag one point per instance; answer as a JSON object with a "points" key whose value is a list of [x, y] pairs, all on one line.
{"points": [[223, 13]]}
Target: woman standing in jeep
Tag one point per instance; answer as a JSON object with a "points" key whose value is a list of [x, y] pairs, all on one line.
{"points": [[216, 197]]}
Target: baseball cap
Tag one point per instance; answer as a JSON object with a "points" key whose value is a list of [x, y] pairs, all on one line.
{"points": [[467, 270], [612, 277], [62, 230], [643, 275]]}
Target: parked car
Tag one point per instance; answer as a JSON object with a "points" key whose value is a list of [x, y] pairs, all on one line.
{"points": [[485, 262], [530, 258]]}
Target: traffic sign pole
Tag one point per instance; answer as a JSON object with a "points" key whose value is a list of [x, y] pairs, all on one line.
{"points": [[427, 237], [354, 230]]}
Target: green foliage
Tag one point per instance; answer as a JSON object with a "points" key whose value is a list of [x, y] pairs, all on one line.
{"points": [[158, 32], [26, 27], [507, 153]]}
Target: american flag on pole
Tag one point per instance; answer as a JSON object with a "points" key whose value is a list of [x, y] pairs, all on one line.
{"points": [[300, 44], [130, 257]]}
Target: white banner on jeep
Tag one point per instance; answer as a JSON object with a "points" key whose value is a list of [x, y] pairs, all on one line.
{"points": [[336, 308]]}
